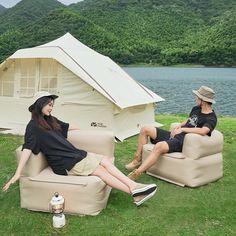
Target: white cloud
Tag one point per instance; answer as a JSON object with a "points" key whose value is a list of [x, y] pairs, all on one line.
{"points": [[11, 3], [68, 2]]}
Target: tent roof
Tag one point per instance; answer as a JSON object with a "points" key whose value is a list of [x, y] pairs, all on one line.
{"points": [[97, 70]]}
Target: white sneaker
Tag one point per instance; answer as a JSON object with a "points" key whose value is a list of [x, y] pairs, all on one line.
{"points": [[145, 198], [143, 189]]}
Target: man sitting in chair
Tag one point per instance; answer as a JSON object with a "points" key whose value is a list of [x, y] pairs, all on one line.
{"points": [[202, 120]]}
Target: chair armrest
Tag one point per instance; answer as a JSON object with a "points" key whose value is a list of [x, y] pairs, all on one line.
{"points": [[101, 142], [196, 146], [34, 165]]}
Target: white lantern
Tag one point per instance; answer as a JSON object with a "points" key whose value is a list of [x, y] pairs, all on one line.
{"points": [[57, 207]]}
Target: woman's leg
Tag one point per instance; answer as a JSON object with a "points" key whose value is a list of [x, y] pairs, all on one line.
{"points": [[114, 171], [134, 187], [110, 180], [140, 192], [118, 180]]}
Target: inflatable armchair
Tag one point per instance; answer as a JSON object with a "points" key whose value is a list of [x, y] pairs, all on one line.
{"points": [[84, 195], [199, 163]]}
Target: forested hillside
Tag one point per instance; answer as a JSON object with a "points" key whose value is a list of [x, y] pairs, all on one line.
{"points": [[2, 8], [26, 12], [129, 31]]}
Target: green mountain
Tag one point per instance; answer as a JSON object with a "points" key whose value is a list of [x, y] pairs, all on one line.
{"points": [[210, 45], [2, 9], [25, 12], [129, 31], [164, 31], [63, 20]]}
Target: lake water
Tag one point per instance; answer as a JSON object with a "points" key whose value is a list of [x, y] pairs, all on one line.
{"points": [[175, 85]]}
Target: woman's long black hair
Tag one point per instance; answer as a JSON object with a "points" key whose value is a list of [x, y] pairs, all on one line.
{"points": [[45, 122]]}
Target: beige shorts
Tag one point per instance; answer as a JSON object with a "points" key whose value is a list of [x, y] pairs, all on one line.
{"points": [[86, 166]]}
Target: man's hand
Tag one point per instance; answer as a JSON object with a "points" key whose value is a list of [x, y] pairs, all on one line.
{"points": [[175, 131]]}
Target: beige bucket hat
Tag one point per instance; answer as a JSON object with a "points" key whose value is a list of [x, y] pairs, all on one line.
{"points": [[39, 95], [206, 94]]}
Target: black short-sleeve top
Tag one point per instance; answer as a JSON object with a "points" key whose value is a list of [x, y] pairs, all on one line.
{"points": [[199, 119], [59, 152]]}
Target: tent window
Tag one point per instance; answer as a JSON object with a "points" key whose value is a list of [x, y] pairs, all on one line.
{"points": [[7, 82], [27, 78], [48, 75]]}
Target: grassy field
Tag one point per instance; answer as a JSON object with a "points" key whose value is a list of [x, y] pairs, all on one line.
{"points": [[207, 210]]}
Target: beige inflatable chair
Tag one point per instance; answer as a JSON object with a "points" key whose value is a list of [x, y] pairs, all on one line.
{"points": [[84, 195], [199, 163]]}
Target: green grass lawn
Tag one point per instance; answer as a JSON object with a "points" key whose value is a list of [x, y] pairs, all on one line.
{"points": [[207, 210]]}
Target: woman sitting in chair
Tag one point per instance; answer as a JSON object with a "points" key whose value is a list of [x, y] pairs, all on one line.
{"points": [[47, 134]]}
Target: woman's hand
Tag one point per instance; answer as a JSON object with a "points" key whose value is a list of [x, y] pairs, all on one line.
{"points": [[23, 159], [11, 181]]}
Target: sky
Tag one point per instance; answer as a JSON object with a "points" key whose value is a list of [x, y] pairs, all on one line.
{"points": [[11, 3]]}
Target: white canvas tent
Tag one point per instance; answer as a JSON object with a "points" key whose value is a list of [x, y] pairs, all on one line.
{"points": [[94, 92]]}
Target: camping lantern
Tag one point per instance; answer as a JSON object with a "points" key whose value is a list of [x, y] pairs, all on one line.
{"points": [[57, 207]]}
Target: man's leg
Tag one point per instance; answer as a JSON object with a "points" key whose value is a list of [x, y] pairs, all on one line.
{"points": [[145, 132], [159, 149]]}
